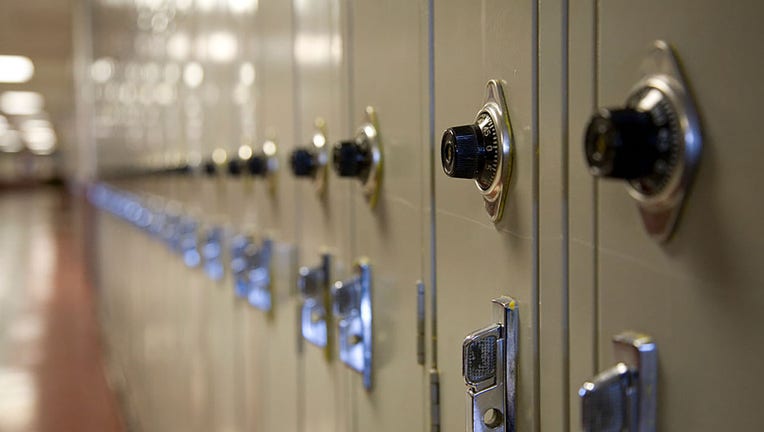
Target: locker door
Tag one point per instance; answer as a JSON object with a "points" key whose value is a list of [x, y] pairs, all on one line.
{"points": [[477, 261], [269, 207], [324, 220], [698, 294], [390, 68]]}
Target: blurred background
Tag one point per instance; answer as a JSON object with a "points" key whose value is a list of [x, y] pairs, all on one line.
{"points": [[37, 90]]}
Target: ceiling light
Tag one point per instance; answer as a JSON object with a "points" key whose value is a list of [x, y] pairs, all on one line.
{"points": [[15, 69], [21, 102]]}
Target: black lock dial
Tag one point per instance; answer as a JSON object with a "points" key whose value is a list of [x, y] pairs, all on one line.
{"points": [[235, 167], [351, 159], [257, 165], [304, 163], [472, 151], [638, 143], [210, 168]]}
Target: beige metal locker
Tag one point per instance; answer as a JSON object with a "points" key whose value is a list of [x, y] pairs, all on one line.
{"points": [[324, 219], [475, 260], [389, 52], [697, 295]]}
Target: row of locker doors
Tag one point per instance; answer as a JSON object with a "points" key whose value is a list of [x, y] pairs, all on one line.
{"points": [[572, 252]]}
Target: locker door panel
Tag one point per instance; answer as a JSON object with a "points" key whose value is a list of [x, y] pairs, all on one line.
{"points": [[697, 295], [272, 212], [319, 50], [390, 73], [477, 261]]}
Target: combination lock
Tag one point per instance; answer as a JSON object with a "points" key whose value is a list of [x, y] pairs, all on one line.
{"points": [[489, 366], [653, 142], [311, 161], [361, 157], [483, 151]]}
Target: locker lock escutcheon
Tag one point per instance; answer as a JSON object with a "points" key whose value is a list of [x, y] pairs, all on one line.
{"points": [[260, 293], [624, 397], [311, 161], [362, 157], [314, 284], [483, 151], [653, 142], [489, 367], [351, 300], [243, 253]]}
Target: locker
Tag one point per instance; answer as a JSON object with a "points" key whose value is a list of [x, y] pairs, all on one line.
{"points": [[694, 300], [319, 47], [390, 89], [477, 261]]}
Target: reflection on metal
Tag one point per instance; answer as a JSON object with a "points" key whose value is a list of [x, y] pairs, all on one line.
{"points": [[489, 366], [368, 135], [212, 252], [243, 251], [315, 317], [259, 277], [352, 309], [420, 323], [624, 397], [495, 105]]}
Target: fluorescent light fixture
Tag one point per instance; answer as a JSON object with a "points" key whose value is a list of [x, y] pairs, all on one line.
{"points": [[15, 69], [21, 102], [39, 136], [10, 141]]}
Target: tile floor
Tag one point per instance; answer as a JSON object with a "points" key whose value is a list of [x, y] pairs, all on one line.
{"points": [[51, 368]]}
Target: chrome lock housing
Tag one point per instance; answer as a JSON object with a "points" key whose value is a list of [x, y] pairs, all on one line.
{"points": [[243, 251], [624, 397], [259, 277], [483, 151], [489, 367], [362, 157], [314, 284], [212, 252], [312, 161], [187, 241], [653, 142], [352, 309]]}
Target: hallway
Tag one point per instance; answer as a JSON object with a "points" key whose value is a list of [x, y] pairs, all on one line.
{"points": [[51, 369]]}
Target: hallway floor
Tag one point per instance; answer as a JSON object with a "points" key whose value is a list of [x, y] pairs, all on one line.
{"points": [[51, 369]]}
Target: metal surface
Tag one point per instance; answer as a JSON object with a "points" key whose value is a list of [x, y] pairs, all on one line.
{"points": [[353, 313], [368, 136], [624, 397], [496, 194], [320, 144], [259, 277], [314, 283], [660, 211], [489, 367]]}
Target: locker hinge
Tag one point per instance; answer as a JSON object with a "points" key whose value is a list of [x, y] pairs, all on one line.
{"points": [[434, 400], [420, 323]]}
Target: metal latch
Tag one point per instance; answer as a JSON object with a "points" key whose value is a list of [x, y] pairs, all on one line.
{"points": [[243, 251], [259, 277], [352, 308], [212, 252], [489, 367], [314, 285], [623, 398]]}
